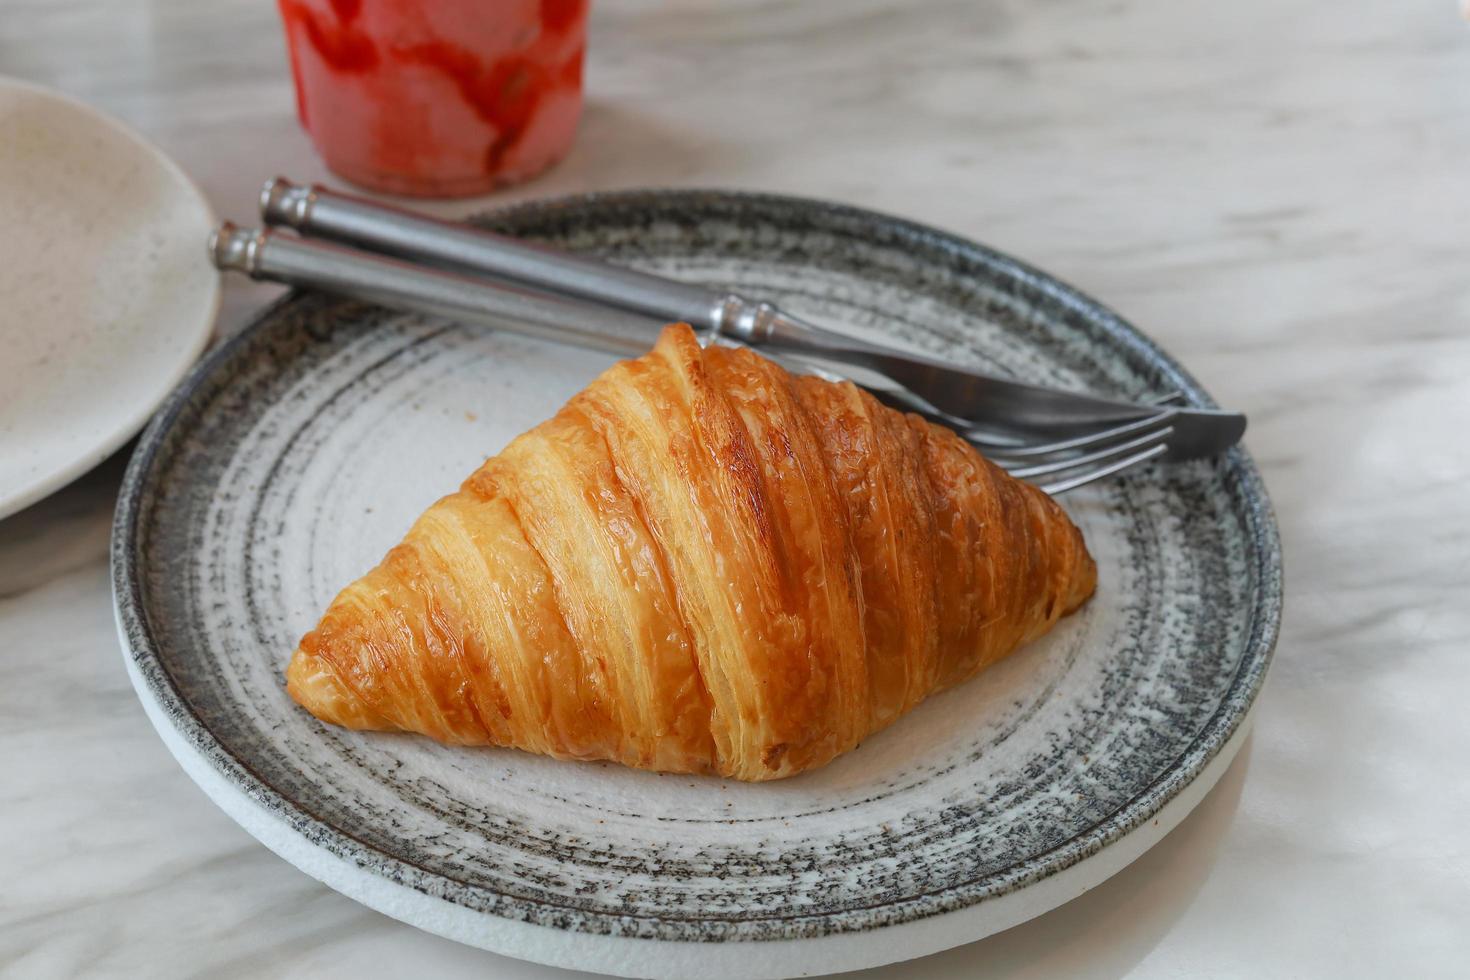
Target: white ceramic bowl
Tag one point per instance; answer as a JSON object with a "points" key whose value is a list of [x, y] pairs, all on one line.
{"points": [[106, 295]]}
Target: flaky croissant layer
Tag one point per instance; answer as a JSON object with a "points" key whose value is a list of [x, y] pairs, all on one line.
{"points": [[701, 564]]}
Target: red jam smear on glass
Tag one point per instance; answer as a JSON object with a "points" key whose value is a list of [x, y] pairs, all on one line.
{"points": [[445, 98]]}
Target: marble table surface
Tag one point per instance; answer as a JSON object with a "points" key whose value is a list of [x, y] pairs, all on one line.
{"points": [[1275, 189]]}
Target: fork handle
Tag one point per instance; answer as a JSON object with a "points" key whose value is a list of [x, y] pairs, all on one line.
{"points": [[263, 254]]}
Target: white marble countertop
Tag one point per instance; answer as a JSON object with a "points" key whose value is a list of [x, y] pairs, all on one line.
{"points": [[1275, 189]]}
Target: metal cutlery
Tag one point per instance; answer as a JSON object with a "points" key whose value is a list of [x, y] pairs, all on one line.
{"points": [[455, 270], [1069, 462], [966, 397]]}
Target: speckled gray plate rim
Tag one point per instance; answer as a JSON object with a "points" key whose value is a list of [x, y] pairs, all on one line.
{"points": [[850, 264]]}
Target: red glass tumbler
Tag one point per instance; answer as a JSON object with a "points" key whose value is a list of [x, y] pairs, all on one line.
{"points": [[437, 98]]}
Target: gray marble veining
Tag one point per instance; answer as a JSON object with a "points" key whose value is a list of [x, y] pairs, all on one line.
{"points": [[1274, 190]]}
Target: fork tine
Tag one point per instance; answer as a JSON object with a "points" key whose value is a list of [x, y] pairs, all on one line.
{"points": [[1157, 438], [1099, 450], [1081, 479], [1083, 442]]}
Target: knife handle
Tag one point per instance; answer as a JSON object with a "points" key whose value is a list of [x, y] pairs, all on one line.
{"points": [[317, 212]]}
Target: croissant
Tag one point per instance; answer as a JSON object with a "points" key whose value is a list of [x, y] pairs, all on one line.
{"points": [[702, 564]]}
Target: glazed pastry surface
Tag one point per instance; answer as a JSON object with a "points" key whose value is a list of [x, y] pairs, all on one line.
{"points": [[701, 564]]}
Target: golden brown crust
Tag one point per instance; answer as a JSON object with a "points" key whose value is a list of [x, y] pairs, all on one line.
{"points": [[701, 564]]}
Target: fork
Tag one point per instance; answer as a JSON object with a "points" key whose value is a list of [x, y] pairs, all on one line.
{"points": [[1070, 461], [1082, 460]]}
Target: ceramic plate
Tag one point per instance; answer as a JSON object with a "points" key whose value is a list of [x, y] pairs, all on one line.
{"points": [[296, 454], [106, 296]]}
